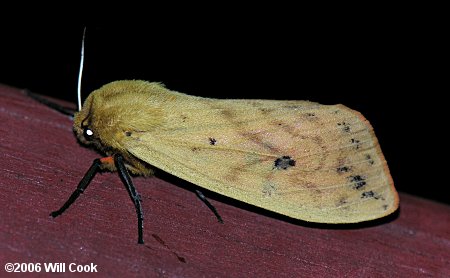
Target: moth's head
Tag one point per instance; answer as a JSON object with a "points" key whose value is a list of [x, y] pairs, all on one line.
{"points": [[95, 124], [96, 120], [83, 125]]}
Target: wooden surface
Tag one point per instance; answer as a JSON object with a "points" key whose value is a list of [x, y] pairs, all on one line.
{"points": [[41, 164]]}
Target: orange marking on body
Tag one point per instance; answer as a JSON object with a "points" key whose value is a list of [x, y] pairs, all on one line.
{"points": [[107, 160]]}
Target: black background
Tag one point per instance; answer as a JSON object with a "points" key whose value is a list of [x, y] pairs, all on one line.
{"points": [[387, 69]]}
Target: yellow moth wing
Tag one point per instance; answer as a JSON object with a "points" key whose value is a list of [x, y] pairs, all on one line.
{"points": [[308, 161]]}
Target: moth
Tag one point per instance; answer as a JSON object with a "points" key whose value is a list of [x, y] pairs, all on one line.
{"points": [[318, 163]]}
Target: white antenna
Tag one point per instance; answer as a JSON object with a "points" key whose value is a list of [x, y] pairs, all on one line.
{"points": [[80, 73]]}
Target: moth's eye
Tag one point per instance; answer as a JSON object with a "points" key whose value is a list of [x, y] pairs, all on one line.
{"points": [[88, 133]]}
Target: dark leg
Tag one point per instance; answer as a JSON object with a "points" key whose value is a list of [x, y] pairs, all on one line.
{"points": [[126, 179], [207, 203], [81, 187]]}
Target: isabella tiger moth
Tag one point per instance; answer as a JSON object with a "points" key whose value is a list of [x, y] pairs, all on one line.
{"points": [[318, 163]]}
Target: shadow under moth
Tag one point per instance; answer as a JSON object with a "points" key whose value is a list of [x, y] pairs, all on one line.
{"points": [[313, 162]]}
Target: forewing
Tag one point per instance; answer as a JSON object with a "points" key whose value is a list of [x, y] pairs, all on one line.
{"points": [[308, 161]]}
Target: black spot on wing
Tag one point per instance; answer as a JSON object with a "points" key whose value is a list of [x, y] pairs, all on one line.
{"points": [[369, 159], [357, 181], [345, 126], [284, 162], [212, 141], [343, 169], [370, 194], [356, 143]]}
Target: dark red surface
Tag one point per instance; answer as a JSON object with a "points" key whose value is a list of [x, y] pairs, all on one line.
{"points": [[41, 164]]}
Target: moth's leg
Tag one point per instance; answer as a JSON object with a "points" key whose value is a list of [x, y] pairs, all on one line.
{"points": [[95, 167], [126, 179], [57, 107], [208, 204]]}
